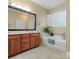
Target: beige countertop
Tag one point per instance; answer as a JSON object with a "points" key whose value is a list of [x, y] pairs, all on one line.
{"points": [[21, 32]]}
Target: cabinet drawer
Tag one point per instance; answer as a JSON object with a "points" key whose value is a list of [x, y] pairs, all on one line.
{"points": [[35, 34], [25, 35], [13, 36]]}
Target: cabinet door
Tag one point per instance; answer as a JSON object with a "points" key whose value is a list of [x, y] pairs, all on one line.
{"points": [[25, 42], [15, 44], [9, 48], [35, 39]]}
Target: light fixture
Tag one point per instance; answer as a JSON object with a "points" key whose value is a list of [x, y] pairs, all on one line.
{"points": [[24, 8]]}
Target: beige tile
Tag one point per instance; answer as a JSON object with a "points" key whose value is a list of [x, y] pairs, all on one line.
{"points": [[42, 52]]}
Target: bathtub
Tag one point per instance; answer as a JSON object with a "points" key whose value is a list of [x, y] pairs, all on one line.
{"points": [[56, 41]]}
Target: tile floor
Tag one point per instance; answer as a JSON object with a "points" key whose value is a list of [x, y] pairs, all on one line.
{"points": [[41, 52]]}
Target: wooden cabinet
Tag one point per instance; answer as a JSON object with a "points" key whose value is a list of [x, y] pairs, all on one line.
{"points": [[9, 47], [37, 43], [35, 39], [22, 42], [25, 41], [14, 44]]}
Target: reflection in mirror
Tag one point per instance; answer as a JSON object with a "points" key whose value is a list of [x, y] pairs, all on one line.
{"points": [[21, 20]]}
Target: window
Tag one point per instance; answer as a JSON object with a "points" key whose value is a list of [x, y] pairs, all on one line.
{"points": [[57, 19]]}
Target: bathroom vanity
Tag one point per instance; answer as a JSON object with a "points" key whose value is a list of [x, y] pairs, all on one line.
{"points": [[18, 43]]}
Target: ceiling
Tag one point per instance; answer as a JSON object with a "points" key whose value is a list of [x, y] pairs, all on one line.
{"points": [[49, 4]]}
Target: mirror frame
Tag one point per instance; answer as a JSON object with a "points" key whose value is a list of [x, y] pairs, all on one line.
{"points": [[19, 9]]}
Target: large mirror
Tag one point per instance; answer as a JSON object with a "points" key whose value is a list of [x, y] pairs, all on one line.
{"points": [[20, 20]]}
